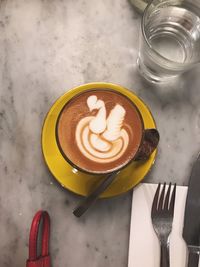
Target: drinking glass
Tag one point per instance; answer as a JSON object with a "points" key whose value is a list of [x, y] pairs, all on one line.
{"points": [[169, 39]]}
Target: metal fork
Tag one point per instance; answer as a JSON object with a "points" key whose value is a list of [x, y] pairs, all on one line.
{"points": [[162, 213]]}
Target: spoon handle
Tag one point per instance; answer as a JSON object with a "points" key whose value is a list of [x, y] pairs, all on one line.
{"points": [[93, 196]]}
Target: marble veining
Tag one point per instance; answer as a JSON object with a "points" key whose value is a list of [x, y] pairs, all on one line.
{"points": [[46, 48]]}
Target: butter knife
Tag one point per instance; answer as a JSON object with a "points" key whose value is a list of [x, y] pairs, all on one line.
{"points": [[191, 229]]}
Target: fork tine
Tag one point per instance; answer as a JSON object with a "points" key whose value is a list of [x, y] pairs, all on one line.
{"points": [[172, 201], [166, 205], [160, 204], [155, 200]]}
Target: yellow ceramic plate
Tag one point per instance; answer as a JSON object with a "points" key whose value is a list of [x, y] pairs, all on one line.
{"points": [[82, 183]]}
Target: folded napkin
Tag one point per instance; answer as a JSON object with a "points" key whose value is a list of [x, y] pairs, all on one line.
{"points": [[144, 247]]}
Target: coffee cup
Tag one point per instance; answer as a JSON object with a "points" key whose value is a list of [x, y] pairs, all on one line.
{"points": [[101, 130]]}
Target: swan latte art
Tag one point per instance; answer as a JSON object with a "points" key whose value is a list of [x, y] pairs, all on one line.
{"points": [[99, 131]]}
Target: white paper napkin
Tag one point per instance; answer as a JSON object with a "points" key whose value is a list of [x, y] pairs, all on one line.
{"points": [[144, 248]]}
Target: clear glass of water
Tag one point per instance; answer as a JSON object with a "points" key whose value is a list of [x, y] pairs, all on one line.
{"points": [[169, 39]]}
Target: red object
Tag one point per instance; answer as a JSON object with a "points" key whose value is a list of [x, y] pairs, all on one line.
{"points": [[42, 260]]}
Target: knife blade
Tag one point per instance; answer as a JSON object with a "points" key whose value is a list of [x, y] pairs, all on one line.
{"points": [[191, 228]]}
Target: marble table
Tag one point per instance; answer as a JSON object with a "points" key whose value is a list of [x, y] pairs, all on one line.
{"points": [[46, 48]]}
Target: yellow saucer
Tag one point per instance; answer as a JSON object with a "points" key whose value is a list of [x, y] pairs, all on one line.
{"points": [[82, 183]]}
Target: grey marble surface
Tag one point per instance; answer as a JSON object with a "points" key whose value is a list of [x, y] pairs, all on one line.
{"points": [[47, 47]]}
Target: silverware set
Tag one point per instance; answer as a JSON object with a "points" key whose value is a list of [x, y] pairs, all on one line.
{"points": [[162, 213]]}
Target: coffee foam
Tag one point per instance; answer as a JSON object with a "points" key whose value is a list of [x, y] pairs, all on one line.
{"points": [[99, 139], [99, 130]]}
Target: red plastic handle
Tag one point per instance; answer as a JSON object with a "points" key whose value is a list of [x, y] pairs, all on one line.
{"points": [[42, 260]]}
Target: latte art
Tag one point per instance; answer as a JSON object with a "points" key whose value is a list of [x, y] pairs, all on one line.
{"points": [[99, 131], [102, 139]]}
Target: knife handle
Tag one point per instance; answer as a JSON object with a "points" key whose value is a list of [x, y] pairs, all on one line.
{"points": [[193, 258], [164, 257]]}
